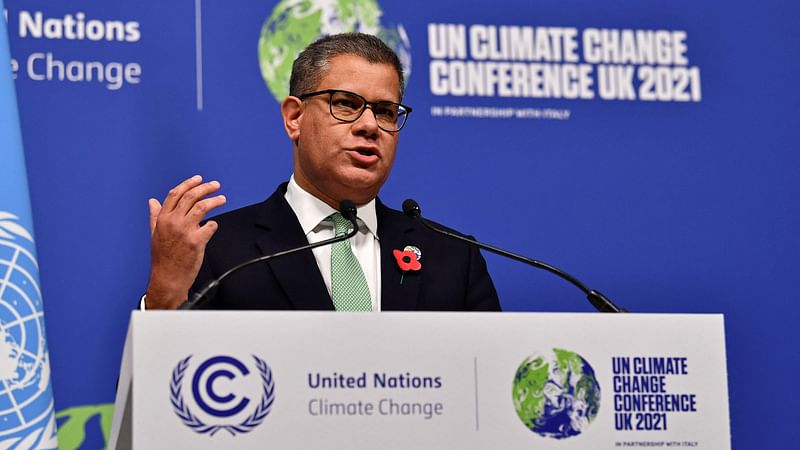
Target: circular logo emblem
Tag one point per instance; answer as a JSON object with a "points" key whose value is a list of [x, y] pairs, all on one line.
{"points": [[296, 23], [223, 394], [556, 394], [26, 401]]}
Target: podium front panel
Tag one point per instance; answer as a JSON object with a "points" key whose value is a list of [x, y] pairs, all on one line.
{"points": [[326, 380]]}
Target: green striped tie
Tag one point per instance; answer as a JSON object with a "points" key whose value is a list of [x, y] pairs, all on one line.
{"points": [[349, 288]]}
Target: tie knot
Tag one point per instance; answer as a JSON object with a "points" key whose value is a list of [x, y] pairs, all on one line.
{"points": [[341, 225]]}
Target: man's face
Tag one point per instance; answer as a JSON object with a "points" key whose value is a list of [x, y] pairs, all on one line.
{"points": [[335, 160]]}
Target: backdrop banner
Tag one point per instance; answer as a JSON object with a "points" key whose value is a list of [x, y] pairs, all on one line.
{"points": [[645, 147]]}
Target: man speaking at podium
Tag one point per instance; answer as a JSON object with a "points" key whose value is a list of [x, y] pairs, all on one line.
{"points": [[341, 151]]}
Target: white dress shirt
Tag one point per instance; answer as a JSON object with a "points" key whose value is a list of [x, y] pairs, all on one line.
{"points": [[313, 216]]}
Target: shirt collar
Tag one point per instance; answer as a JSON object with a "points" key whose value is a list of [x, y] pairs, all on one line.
{"points": [[310, 210]]}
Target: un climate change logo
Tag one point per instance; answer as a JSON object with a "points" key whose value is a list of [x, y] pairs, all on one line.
{"points": [[294, 24], [223, 394], [26, 402], [556, 394]]}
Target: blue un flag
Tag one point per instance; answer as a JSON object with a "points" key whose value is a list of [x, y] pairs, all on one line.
{"points": [[27, 418]]}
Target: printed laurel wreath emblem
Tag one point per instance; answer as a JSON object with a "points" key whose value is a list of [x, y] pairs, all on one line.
{"points": [[192, 421]]}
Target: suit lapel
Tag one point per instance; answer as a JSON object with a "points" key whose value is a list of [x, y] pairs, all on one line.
{"points": [[297, 273], [396, 232]]}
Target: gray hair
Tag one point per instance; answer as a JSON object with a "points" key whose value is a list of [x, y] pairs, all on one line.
{"points": [[312, 64]]}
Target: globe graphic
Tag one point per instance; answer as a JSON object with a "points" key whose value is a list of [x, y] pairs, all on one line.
{"points": [[296, 23], [25, 397], [556, 394]]}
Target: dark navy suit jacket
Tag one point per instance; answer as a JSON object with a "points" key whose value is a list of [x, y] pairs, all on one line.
{"points": [[453, 276]]}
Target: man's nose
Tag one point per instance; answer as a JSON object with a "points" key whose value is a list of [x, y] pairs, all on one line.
{"points": [[367, 123]]}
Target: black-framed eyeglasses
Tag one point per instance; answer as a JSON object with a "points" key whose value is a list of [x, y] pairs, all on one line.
{"points": [[348, 107]]}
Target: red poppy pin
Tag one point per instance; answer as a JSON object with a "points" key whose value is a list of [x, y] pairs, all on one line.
{"points": [[408, 259]]}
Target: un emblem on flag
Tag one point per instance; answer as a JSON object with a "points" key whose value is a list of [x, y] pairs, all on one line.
{"points": [[26, 401]]}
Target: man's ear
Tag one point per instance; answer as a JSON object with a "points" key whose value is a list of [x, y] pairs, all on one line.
{"points": [[292, 112]]}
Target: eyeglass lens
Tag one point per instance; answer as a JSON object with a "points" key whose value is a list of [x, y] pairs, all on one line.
{"points": [[347, 106]]}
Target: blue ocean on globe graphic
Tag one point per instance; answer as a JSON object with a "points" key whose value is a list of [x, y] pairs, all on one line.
{"points": [[556, 394]]}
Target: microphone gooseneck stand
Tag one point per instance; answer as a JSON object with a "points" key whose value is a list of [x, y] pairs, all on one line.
{"points": [[599, 301]]}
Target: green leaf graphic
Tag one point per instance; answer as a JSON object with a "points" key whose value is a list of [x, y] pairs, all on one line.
{"points": [[72, 432]]}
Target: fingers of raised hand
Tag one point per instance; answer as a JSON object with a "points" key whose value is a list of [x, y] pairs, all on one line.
{"points": [[206, 231], [155, 209], [202, 207], [176, 194], [194, 195], [178, 219]]}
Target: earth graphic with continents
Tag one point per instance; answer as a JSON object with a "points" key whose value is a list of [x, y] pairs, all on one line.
{"points": [[294, 24], [556, 394]]}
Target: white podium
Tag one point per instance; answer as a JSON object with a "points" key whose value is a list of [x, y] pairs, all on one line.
{"points": [[326, 380]]}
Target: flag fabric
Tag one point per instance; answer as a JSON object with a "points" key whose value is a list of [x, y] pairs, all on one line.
{"points": [[27, 418]]}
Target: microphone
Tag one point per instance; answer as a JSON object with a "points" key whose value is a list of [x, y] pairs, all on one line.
{"points": [[599, 301], [204, 295]]}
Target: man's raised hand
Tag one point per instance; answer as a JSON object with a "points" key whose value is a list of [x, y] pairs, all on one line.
{"points": [[178, 241]]}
